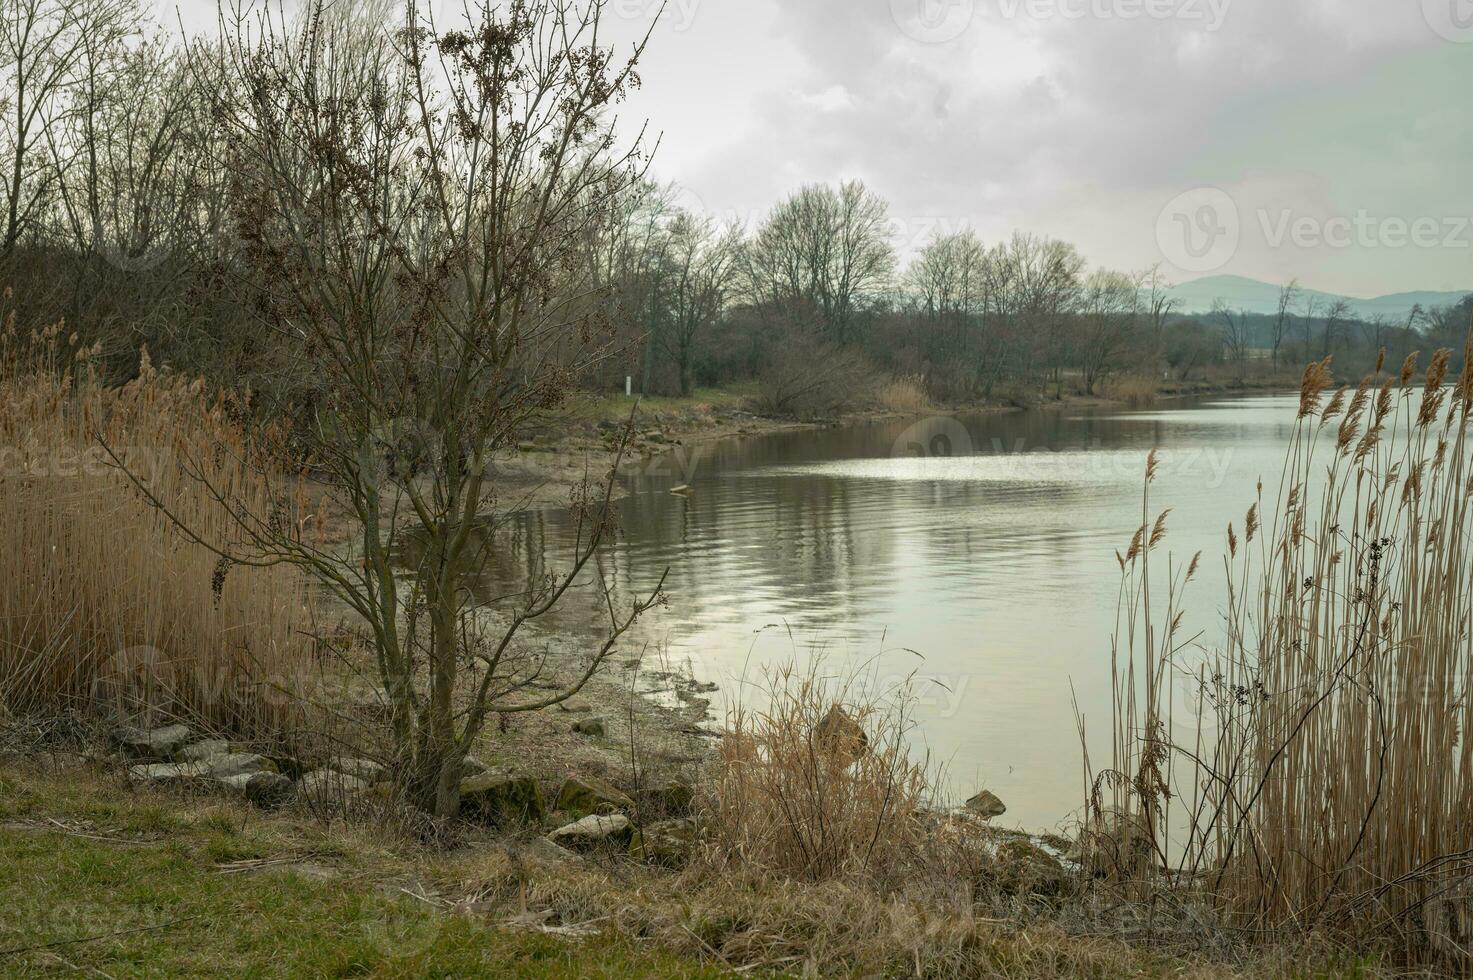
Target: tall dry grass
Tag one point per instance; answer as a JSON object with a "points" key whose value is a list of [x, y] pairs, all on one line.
{"points": [[1135, 392], [104, 604], [1321, 771], [819, 784], [905, 395]]}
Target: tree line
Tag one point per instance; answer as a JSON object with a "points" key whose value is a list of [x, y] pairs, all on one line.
{"points": [[126, 207]]}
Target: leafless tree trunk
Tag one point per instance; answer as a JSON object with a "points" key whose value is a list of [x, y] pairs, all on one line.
{"points": [[415, 204]]}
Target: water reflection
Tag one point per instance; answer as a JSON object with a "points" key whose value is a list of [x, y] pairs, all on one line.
{"points": [[984, 544]]}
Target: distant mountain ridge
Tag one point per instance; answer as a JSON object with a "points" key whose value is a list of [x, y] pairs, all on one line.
{"points": [[1242, 293]]}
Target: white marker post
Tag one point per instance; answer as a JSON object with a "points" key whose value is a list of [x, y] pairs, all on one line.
{"points": [[628, 385]]}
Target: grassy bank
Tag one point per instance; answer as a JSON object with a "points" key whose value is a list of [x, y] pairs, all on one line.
{"points": [[98, 880]]}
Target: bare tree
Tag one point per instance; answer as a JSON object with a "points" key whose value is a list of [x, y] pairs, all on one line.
{"points": [[416, 205], [1159, 306], [1306, 325], [1109, 314], [1235, 334], [1337, 322], [42, 43], [1283, 317], [698, 261], [821, 254], [1043, 276]]}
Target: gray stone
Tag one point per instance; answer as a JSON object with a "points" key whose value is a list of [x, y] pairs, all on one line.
{"points": [[592, 727], [471, 766], [329, 786], [158, 744], [576, 706], [364, 769], [208, 749], [594, 831], [261, 788], [544, 851], [165, 773], [986, 805], [581, 796], [237, 764]]}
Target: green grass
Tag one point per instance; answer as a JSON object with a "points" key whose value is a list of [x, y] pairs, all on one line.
{"points": [[132, 884], [124, 887], [163, 909]]}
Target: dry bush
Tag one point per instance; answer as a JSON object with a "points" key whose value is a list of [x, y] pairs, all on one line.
{"points": [[1330, 779], [105, 605], [818, 785], [807, 379], [905, 395], [1134, 392]]}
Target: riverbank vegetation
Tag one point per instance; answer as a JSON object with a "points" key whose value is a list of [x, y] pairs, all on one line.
{"points": [[287, 294]]}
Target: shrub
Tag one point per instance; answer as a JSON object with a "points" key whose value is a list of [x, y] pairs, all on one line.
{"points": [[819, 785], [807, 379]]}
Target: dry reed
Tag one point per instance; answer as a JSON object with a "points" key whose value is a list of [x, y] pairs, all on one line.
{"points": [[1325, 775], [905, 395], [104, 604], [801, 792], [1135, 392]]}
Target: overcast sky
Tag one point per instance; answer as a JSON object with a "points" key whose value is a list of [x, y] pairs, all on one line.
{"points": [[1220, 136]]}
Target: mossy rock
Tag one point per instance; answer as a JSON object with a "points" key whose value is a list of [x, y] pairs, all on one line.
{"points": [[677, 798], [500, 798], [1024, 868], [583, 796], [669, 843]]}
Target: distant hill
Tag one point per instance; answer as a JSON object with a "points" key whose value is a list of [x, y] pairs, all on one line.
{"points": [[1254, 296]]}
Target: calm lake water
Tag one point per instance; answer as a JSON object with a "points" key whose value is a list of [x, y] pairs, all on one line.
{"points": [[975, 552]]}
